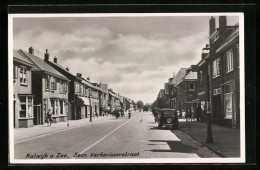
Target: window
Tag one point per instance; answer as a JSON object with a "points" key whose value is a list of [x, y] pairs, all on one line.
{"points": [[228, 106], [23, 75], [53, 106], [15, 72], [25, 106], [53, 83], [200, 76], [229, 61], [216, 67], [216, 91], [47, 82], [76, 88], [191, 86]]}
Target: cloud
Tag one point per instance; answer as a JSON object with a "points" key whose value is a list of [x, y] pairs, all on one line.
{"points": [[134, 55]]}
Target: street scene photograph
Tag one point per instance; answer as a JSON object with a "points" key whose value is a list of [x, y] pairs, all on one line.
{"points": [[126, 88]]}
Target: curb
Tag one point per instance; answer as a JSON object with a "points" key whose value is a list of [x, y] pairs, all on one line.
{"points": [[205, 145], [55, 131]]}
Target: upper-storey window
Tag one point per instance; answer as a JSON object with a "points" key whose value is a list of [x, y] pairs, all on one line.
{"points": [[47, 82], [53, 83], [15, 72], [23, 75], [191, 86], [216, 67], [229, 59]]}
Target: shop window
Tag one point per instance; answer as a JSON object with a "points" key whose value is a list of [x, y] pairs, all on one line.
{"points": [[53, 106], [25, 106], [229, 59], [23, 75], [216, 67]]}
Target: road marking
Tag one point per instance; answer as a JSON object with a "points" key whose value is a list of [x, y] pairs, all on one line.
{"points": [[53, 132], [104, 137]]}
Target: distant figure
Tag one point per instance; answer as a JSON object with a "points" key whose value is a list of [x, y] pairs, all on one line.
{"points": [[198, 113], [49, 117]]}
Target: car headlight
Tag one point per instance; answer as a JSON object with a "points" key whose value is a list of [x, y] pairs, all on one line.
{"points": [[169, 120]]}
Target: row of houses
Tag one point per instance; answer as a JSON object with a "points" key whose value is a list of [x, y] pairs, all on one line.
{"points": [[40, 85], [213, 84]]}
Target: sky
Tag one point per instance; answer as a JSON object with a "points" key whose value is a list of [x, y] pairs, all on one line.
{"points": [[135, 56]]}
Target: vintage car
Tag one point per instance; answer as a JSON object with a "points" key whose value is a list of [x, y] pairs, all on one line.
{"points": [[168, 118]]}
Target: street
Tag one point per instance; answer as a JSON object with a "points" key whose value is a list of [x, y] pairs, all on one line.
{"points": [[138, 137]]}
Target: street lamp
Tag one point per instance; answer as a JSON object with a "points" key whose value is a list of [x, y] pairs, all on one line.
{"points": [[209, 130]]}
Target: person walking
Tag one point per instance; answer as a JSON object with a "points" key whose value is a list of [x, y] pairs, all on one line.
{"points": [[49, 118], [198, 112]]}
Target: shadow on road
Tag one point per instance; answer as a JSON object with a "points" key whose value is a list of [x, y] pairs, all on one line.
{"points": [[175, 146]]}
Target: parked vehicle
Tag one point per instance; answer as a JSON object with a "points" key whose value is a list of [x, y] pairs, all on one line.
{"points": [[168, 118], [145, 108]]}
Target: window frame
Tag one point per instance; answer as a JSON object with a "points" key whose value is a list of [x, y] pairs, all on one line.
{"points": [[26, 103], [193, 89], [216, 68], [24, 77], [229, 61]]}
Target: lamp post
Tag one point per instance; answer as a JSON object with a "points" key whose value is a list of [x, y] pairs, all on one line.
{"points": [[209, 130]]}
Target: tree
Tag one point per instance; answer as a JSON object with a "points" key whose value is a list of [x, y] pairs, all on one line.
{"points": [[140, 104]]}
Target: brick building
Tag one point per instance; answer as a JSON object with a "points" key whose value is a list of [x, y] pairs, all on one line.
{"points": [[50, 89], [224, 77]]}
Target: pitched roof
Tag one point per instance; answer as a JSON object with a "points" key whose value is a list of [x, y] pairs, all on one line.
{"points": [[61, 67], [191, 75], [42, 65], [20, 58], [179, 76]]}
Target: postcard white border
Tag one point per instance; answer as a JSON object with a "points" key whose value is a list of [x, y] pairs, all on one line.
{"points": [[138, 160]]}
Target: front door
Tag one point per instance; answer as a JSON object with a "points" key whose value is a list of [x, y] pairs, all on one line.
{"points": [[37, 115]]}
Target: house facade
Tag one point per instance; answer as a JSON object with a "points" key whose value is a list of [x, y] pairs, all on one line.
{"points": [[186, 85], [50, 89], [129, 104], [23, 100], [224, 67]]}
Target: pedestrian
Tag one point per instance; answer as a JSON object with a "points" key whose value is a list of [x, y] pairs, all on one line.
{"points": [[49, 118], [198, 112]]}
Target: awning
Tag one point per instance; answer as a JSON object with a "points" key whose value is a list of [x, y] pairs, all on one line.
{"points": [[85, 100]]}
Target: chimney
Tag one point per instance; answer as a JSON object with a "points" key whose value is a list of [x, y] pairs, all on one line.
{"points": [[203, 55], [55, 59], [222, 22], [88, 78], [212, 25], [79, 75], [67, 68], [46, 56], [31, 50]]}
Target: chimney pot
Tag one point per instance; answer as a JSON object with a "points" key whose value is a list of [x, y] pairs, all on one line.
{"points": [[88, 78], [222, 22], [46, 56], [55, 60], [67, 68], [31, 50], [79, 75]]}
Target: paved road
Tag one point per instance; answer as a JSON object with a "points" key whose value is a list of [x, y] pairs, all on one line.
{"points": [[137, 137]]}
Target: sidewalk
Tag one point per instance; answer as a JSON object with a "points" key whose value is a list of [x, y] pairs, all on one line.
{"points": [[226, 140], [38, 130]]}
